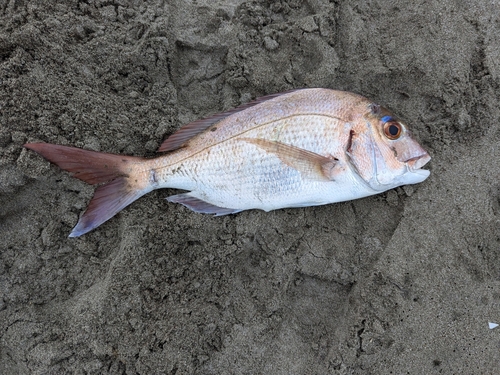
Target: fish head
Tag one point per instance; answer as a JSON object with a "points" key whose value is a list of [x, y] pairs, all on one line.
{"points": [[383, 152]]}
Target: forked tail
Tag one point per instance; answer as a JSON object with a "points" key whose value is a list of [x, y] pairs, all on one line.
{"points": [[121, 180]]}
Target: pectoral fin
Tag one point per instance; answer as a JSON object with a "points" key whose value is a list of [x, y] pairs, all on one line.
{"points": [[308, 163]]}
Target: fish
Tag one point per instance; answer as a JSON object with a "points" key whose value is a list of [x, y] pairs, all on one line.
{"points": [[305, 147]]}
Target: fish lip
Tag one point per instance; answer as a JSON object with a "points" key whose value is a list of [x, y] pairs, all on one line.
{"points": [[415, 163]]}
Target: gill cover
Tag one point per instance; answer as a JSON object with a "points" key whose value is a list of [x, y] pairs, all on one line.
{"points": [[368, 160]]}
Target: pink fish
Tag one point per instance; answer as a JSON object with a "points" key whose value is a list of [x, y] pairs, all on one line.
{"points": [[306, 147]]}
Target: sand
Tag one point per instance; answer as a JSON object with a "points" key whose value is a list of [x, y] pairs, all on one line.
{"points": [[404, 282]]}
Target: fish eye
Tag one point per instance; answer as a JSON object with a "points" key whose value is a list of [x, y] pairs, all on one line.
{"points": [[393, 129]]}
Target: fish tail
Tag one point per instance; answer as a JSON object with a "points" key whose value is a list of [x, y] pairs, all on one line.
{"points": [[121, 181]]}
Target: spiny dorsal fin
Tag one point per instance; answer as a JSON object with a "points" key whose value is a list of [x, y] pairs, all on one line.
{"points": [[308, 163], [184, 134]]}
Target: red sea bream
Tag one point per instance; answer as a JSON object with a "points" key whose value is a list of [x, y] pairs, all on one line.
{"points": [[301, 148]]}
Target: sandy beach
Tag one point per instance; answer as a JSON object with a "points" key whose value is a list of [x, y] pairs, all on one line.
{"points": [[404, 282]]}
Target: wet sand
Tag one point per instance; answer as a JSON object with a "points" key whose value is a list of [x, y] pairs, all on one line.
{"points": [[404, 282]]}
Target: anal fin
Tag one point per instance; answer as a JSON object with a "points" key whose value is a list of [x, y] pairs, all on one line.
{"points": [[200, 206]]}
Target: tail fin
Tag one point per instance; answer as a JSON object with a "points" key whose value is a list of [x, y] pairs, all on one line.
{"points": [[112, 171]]}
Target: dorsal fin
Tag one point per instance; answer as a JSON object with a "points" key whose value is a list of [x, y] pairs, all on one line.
{"points": [[181, 136]]}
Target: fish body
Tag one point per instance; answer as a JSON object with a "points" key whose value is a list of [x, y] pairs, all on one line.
{"points": [[306, 147]]}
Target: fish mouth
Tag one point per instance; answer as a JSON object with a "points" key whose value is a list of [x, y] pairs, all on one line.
{"points": [[416, 163]]}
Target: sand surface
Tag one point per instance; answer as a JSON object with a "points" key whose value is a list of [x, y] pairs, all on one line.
{"points": [[404, 282]]}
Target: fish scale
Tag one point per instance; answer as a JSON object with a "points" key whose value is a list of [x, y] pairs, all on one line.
{"points": [[234, 160], [301, 148]]}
